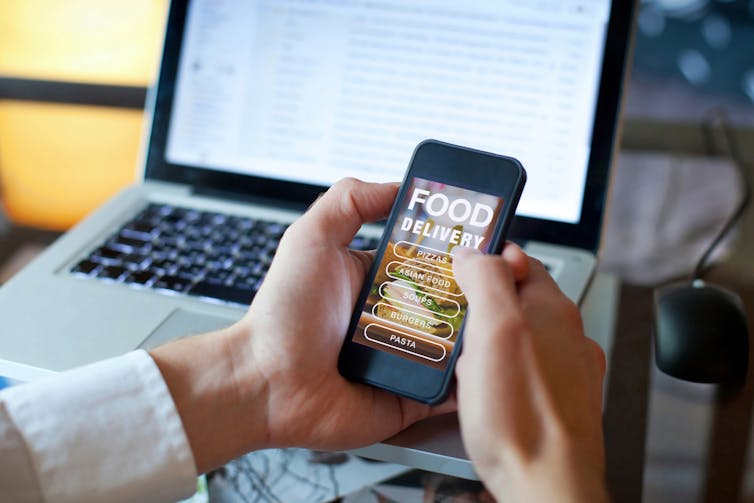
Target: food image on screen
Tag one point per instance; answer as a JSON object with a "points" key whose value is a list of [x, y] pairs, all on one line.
{"points": [[415, 308]]}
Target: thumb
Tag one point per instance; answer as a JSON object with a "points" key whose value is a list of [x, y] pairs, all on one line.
{"points": [[336, 216]]}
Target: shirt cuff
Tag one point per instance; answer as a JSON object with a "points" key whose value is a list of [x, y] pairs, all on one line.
{"points": [[108, 431]]}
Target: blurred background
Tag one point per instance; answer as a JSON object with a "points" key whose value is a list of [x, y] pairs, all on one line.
{"points": [[73, 80], [72, 84], [691, 55], [74, 76]]}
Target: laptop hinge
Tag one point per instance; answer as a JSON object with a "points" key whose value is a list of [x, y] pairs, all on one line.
{"points": [[174, 189], [251, 199]]}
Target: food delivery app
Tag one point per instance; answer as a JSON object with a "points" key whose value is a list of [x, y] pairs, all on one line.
{"points": [[415, 308]]}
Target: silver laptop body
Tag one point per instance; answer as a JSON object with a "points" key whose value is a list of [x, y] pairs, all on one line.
{"points": [[259, 106]]}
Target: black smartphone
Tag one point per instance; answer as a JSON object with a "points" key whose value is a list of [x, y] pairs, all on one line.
{"points": [[405, 332]]}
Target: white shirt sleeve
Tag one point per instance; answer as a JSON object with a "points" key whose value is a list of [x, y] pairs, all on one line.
{"points": [[104, 432]]}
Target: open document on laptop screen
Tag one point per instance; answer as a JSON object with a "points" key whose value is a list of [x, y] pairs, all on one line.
{"points": [[315, 90]]}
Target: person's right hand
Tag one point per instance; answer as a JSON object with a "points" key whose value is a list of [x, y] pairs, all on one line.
{"points": [[529, 385]]}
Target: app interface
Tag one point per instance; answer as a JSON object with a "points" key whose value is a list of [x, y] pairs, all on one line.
{"points": [[415, 308]]}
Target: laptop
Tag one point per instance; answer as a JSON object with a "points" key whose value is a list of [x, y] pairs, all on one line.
{"points": [[260, 105]]}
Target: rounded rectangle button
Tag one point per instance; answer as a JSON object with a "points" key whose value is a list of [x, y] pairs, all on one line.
{"points": [[426, 254], [426, 278], [414, 299], [403, 318], [404, 342]]}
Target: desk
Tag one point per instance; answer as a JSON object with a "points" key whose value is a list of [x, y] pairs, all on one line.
{"points": [[435, 444], [694, 438]]}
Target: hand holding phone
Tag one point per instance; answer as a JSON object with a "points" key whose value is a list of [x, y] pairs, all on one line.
{"points": [[405, 331]]}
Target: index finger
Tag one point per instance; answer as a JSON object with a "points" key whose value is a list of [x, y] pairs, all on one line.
{"points": [[488, 283], [540, 282], [336, 217]]}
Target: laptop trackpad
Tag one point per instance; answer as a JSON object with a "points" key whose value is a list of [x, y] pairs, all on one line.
{"points": [[181, 323]]}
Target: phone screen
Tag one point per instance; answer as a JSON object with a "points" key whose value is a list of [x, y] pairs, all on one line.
{"points": [[415, 308]]}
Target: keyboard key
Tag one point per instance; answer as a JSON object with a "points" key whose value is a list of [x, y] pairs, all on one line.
{"points": [[272, 243], [218, 276], [213, 280], [248, 257], [172, 241], [241, 270], [197, 245], [133, 242], [106, 256], [139, 230], [246, 285], [266, 258], [85, 267], [107, 253], [159, 209], [139, 277], [190, 272], [112, 272], [275, 229], [222, 292], [135, 261], [258, 269], [174, 283]]}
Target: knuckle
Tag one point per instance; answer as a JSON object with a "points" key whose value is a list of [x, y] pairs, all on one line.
{"points": [[346, 192], [598, 356], [346, 185]]}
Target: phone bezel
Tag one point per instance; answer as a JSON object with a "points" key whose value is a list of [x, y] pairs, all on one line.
{"points": [[454, 165]]}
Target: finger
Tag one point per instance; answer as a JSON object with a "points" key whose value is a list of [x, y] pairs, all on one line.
{"points": [[337, 216], [518, 261], [599, 356], [487, 281], [539, 284], [539, 273]]}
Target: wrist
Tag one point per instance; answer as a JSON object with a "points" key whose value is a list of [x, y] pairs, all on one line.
{"points": [[220, 395], [561, 472]]}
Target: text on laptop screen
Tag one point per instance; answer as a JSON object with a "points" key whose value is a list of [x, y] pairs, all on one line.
{"points": [[315, 90]]}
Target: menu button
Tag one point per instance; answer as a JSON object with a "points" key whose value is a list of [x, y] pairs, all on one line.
{"points": [[404, 342]]}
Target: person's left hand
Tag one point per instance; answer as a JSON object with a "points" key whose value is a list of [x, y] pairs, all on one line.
{"points": [[300, 317]]}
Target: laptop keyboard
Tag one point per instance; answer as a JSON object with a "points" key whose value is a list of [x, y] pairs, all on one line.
{"points": [[177, 250]]}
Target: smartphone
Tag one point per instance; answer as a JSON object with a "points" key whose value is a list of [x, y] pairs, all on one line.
{"points": [[406, 328]]}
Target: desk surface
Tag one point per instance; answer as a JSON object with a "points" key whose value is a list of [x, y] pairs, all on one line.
{"points": [[693, 439]]}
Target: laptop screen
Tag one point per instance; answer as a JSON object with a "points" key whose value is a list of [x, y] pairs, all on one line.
{"points": [[313, 91], [291, 95]]}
